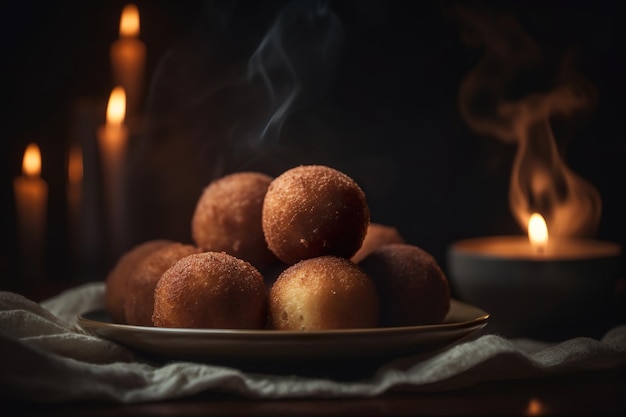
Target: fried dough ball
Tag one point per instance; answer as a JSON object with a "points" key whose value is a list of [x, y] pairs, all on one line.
{"points": [[314, 210], [413, 289], [139, 301], [377, 235], [323, 293], [117, 279], [227, 218], [211, 290]]}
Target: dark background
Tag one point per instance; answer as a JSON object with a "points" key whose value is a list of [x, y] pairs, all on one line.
{"points": [[379, 100]]}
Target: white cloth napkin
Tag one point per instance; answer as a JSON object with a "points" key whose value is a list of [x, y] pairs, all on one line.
{"points": [[46, 357]]}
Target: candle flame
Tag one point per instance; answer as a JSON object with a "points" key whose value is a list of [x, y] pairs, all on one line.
{"points": [[75, 165], [116, 108], [31, 164], [537, 231], [129, 22]]}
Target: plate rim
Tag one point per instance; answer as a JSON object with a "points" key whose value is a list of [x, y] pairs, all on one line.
{"points": [[482, 318]]}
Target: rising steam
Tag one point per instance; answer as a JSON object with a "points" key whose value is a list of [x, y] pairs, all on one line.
{"points": [[298, 53], [512, 94], [219, 98]]}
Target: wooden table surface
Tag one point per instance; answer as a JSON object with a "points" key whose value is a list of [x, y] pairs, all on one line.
{"points": [[588, 394]]}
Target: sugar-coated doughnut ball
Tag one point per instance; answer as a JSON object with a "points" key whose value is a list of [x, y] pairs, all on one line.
{"points": [[117, 279], [377, 235], [323, 293], [139, 301], [211, 290], [413, 289], [227, 218], [314, 210]]}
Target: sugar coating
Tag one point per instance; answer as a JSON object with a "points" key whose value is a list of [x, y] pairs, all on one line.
{"points": [[314, 210], [139, 301], [117, 279], [211, 290], [227, 218], [323, 293]]}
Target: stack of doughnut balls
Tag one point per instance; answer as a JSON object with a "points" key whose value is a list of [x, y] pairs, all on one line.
{"points": [[295, 252]]}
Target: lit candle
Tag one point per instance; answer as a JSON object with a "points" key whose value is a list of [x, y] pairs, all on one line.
{"points": [[558, 279], [558, 276], [31, 195], [128, 56], [112, 141], [535, 285]]}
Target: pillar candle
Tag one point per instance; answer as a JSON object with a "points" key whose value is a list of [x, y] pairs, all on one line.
{"points": [[112, 141], [31, 196]]}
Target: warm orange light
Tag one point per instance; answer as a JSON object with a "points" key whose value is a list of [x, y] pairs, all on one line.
{"points": [[116, 108], [537, 232], [129, 22], [75, 165], [31, 164], [535, 407]]}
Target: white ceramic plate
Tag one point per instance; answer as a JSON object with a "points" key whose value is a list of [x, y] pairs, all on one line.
{"points": [[274, 346]]}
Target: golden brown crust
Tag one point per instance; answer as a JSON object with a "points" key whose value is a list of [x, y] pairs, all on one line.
{"points": [[116, 280], [377, 235], [323, 293], [314, 210], [413, 289], [139, 300], [227, 218], [211, 290]]}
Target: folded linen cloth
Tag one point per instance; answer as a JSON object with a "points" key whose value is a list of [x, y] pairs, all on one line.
{"points": [[46, 357]]}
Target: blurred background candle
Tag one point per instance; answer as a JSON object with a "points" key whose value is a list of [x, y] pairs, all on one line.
{"points": [[74, 182], [128, 57], [31, 195], [112, 141], [74, 200]]}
